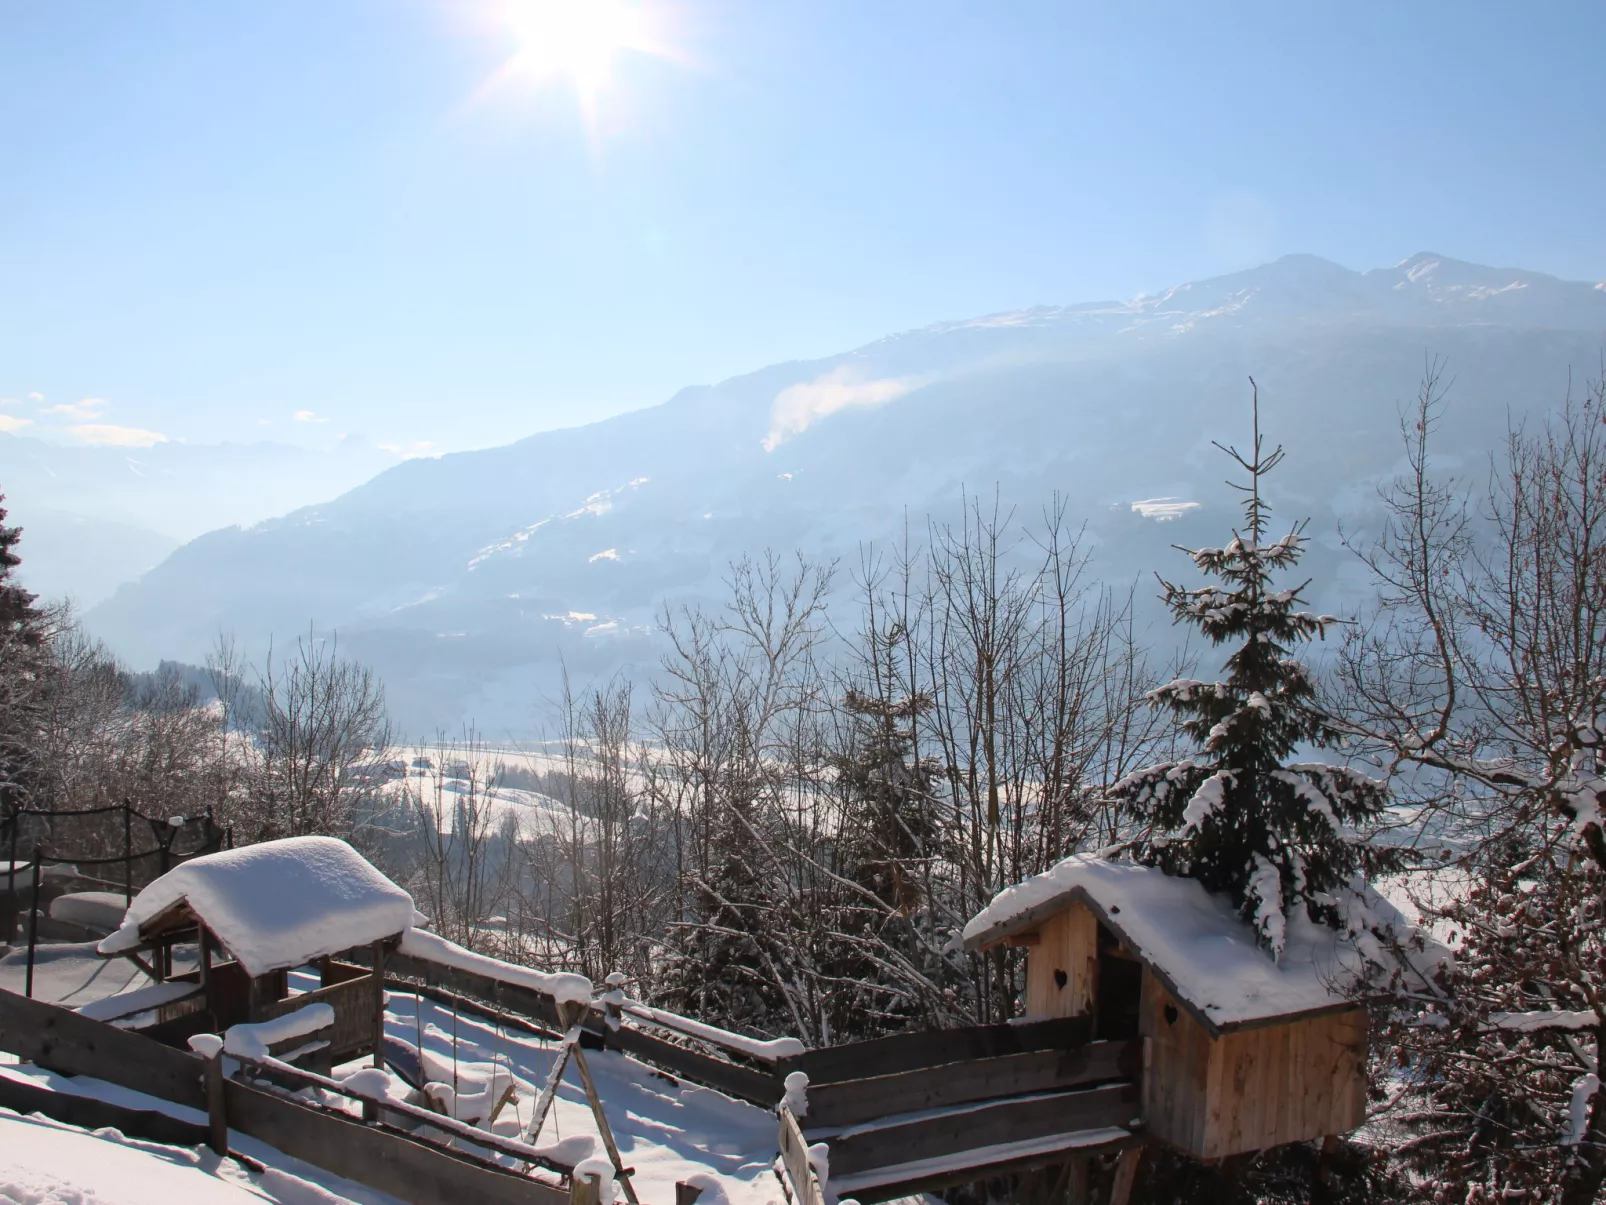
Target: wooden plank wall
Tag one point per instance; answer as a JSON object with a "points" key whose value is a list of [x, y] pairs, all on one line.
{"points": [[1287, 1083], [1176, 1068], [1067, 942], [1250, 1089], [353, 1002]]}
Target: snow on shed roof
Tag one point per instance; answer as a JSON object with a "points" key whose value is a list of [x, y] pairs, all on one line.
{"points": [[1191, 939], [277, 904]]}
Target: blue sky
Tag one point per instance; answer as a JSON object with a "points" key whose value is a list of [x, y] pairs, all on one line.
{"points": [[214, 216]]}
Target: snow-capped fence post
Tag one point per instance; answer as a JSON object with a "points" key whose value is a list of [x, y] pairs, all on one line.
{"points": [[585, 1190]]}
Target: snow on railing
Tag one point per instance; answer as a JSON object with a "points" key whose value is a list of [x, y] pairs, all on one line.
{"points": [[767, 1050], [562, 986]]}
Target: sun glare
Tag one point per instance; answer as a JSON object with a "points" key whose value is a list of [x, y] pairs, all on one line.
{"points": [[579, 39]]}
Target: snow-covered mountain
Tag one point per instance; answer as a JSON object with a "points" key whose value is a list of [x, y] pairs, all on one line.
{"points": [[463, 579]]}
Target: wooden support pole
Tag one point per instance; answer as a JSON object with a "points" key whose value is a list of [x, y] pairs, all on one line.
{"points": [[1126, 1175], [217, 1117], [33, 918], [379, 1003], [585, 1190], [686, 1194], [620, 1170]]}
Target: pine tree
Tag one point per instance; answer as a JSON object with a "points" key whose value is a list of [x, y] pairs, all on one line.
{"points": [[19, 618], [23, 664], [1240, 816]]}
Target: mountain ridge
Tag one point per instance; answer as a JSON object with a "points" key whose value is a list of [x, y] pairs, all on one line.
{"points": [[459, 575]]}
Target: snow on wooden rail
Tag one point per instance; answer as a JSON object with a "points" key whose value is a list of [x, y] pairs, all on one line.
{"points": [[562, 986], [765, 1050]]}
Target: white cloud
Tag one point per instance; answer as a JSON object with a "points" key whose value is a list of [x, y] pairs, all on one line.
{"points": [[90, 407], [607, 554], [10, 422], [797, 406], [307, 416], [36, 397], [111, 436], [1163, 510], [420, 447]]}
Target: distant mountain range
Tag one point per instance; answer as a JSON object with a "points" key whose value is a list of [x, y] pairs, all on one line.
{"points": [[465, 579], [94, 517]]}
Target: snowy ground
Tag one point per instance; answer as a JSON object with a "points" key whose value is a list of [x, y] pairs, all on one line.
{"points": [[45, 1163], [71, 974], [666, 1130]]}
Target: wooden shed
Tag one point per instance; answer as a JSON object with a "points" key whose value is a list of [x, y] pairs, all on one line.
{"points": [[252, 915], [1241, 1052]]}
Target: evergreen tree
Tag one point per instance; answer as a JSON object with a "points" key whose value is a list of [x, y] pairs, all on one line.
{"points": [[23, 664], [1239, 816]]}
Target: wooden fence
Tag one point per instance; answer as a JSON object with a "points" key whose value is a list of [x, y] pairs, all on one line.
{"points": [[373, 1154]]}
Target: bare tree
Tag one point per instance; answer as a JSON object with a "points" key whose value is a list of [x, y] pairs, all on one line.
{"points": [[1481, 680]]}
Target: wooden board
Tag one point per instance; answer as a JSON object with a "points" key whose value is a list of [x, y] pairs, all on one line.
{"points": [[1062, 967], [1176, 1069], [353, 1002], [90, 1114], [910, 1051], [403, 1167], [62, 1040], [744, 1083], [805, 1187], [851, 1102], [965, 1128], [898, 1184], [512, 996]]}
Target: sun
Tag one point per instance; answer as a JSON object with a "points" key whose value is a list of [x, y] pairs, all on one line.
{"points": [[579, 39]]}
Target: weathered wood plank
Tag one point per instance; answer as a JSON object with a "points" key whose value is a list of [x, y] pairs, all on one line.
{"points": [[91, 1114], [999, 1122], [795, 1159], [515, 997], [897, 1182], [1062, 969], [389, 1162], [909, 1051], [851, 1102], [744, 1083], [61, 1040]]}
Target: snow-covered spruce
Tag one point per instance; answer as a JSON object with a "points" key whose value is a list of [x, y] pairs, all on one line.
{"points": [[1241, 817]]}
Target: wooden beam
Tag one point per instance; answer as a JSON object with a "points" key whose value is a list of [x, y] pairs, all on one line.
{"points": [[852, 1102], [909, 1051], [620, 1170], [65, 1041], [744, 1083], [1126, 1175], [966, 1128]]}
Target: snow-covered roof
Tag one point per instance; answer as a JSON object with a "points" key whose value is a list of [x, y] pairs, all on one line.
{"points": [[278, 904], [1194, 941]]}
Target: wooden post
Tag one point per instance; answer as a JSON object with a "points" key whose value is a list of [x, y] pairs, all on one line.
{"points": [[379, 1003], [1126, 1175], [1076, 1180], [686, 1194], [585, 1190], [33, 918], [217, 1118], [620, 1171]]}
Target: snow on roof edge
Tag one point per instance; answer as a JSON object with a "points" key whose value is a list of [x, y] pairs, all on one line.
{"points": [[1196, 943]]}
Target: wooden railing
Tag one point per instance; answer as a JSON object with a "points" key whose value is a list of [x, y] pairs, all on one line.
{"points": [[379, 1156]]}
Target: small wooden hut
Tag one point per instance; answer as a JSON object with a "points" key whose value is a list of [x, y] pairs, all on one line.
{"points": [[251, 916], [1241, 1052]]}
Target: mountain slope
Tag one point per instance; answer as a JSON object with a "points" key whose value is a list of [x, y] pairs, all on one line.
{"points": [[464, 579]]}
